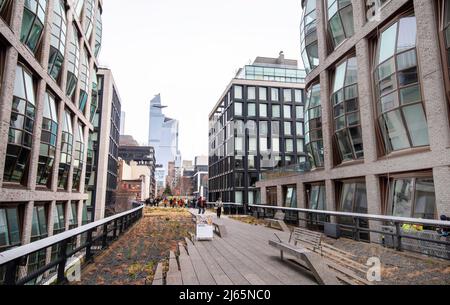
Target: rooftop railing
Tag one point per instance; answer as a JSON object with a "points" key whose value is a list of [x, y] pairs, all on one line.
{"points": [[85, 241]]}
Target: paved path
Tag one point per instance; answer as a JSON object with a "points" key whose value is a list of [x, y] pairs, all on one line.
{"points": [[242, 257]]}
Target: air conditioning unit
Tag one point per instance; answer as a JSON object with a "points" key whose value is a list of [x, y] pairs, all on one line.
{"points": [[332, 230]]}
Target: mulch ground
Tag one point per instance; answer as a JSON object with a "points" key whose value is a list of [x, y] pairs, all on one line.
{"points": [[133, 258]]}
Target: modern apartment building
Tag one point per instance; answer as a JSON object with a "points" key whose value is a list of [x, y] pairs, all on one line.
{"points": [[48, 63], [103, 147], [257, 125], [377, 109]]}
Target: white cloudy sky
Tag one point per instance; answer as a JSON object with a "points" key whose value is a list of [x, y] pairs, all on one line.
{"points": [[188, 51]]}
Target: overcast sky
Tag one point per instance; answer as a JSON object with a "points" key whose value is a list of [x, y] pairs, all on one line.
{"points": [[189, 51]]}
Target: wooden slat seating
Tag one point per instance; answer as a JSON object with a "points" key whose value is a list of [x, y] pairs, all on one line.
{"points": [[220, 229], [173, 276], [278, 222], [349, 270]]}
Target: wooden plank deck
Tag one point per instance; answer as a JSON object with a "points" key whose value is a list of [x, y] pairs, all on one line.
{"points": [[242, 257]]}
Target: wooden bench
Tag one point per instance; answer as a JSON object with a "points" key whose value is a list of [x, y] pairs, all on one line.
{"points": [[158, 279], [173, 276], [348, 270], [220, 229], [278, 222]]}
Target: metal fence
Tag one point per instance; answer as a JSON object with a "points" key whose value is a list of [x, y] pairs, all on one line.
{"points": [[392, 229], [85, 241]]}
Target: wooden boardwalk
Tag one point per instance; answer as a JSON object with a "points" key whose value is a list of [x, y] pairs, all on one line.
{"points": [[242, 257]]}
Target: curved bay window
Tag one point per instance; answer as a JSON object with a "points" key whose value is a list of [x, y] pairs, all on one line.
{"points": [[89, 18], [353, 199], [49, 133], [5, 10], [98, 33], [38, 231], [308, 36], [340, 20], [94, 96], [78, 7], [58, 40], [21, 128], [412, 197], [33, 23], [73, 63], [313, 127], [66, 151], [9, 228], [78, 157], [59, 226], [84, 81], [344, 100], [400, 109], [444, 17]]}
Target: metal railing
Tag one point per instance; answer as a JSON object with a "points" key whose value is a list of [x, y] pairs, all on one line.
{"points": [[97, 237], [361, 225]]}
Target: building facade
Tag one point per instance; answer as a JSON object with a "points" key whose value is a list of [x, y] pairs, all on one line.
{"points": [[103, 148], [256, 126], [48, 62], [143, 156], [377, 110], [163, 137]]}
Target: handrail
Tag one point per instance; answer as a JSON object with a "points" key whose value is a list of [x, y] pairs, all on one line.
{"points": [[30, 248], [430, 222], [226, 203]]}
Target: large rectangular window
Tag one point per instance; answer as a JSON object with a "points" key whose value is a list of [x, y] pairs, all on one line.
{"points": [[9, 228]]}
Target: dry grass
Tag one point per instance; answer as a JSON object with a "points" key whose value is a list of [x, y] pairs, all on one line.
{"points": [[250, 220]]}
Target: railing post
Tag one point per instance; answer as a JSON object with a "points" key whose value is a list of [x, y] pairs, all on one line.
{"points": [[105, 236], [89, 256], [121, 226], [61, 279], [11, 272], [115, 229], [398, 235], [357, 233]]}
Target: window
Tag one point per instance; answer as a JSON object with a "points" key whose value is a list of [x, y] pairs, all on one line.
{"points": [[263, 110], [9, 228], [78, 6], [57, 40], [251, 93], [263, 94], [308, 36], [353, 199], [21, 128], [73, 63], [313, 127], [49, 133], [287, 112], [299, 112], [344, 100], [238, 92], [298, 96], [78, 157], [290, 197], [289, 143], [94, 96], [251, 109], [5, 8], [38, 231], [316, 196], [287, 93], [89, 18], [275, 94], [400, 110], [66, 151], [73, 215], [276, 111], [444, 16], [33, 23], [300, 146], [98, 33], [299, 129], [84, 81], [238, 197], [340, 20], [271, 196], [287, 128], [413, 197], [237, 109]]}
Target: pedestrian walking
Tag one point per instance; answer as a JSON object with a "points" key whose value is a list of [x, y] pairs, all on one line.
{"points": [[219, 207], [203, 205]]}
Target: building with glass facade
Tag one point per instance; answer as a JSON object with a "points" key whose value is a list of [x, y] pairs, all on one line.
{"points": [[377, 110], [48, 63], [256, 126], [103, 147], [163, 137]]}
